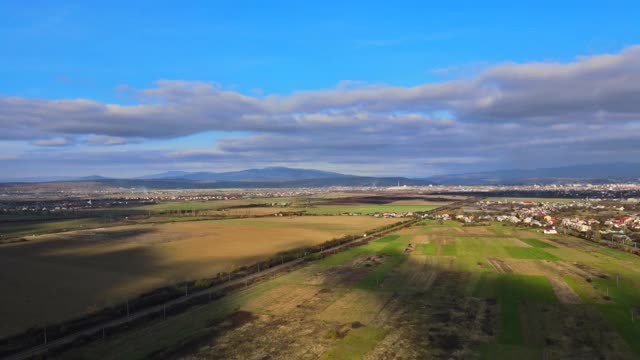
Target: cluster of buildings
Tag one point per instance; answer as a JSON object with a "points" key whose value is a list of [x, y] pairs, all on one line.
{"points": [[582, 216], [67, 202], [570, 190], [204, 195], [67, 205], [391, 214]]}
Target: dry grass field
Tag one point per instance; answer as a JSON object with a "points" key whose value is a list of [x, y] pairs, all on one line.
{"points": [[57, 276]]}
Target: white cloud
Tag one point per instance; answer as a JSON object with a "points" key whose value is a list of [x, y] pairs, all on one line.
{"points": [[109, 140], [542, 112], [52, 142]]}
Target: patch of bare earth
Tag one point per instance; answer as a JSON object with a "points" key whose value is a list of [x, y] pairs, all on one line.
{"points": [[368, 260], [421, 239], [564, 292], [338, 276], [409, 249], [500, 265], [438, 247]]}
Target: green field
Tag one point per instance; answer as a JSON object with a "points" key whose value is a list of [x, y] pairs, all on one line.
{"points": [[622, 308], [212, 204], [357, 343], [512, 292], [537, 243], [449, 249], [366, 209], [429, 249], [29, 228], [529, 253], [430, 291]]}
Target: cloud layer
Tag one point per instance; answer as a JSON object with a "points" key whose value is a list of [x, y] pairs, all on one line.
{"points": [[531, 114]]}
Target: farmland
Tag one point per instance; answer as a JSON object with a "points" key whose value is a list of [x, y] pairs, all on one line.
{"points": [[429, 291], [321, 205], [367, 209], [23, 224], [53, 277]]}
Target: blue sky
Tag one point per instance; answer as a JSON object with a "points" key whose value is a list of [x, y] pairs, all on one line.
{"points": [[402, 88]]}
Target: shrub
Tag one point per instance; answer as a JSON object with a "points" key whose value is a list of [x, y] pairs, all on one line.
{"points": [[333, 334]]}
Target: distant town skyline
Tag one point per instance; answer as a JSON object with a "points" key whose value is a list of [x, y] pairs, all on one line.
{"points": [[125, 89]]}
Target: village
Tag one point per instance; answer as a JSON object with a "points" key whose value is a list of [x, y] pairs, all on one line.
{"points": [[613, 222]]}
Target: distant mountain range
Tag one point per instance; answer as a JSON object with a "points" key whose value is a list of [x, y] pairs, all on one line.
{"points": [[280, 177], [270, 177], [266, 174]]}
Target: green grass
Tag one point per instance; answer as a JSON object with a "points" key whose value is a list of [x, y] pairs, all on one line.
{"points": [[449, 249], [379, 273], [356, 344], [617, 313], [537, 243], [365, 209], [510, 324], [343, 257], [625, 297], [473, 250], [529, 253], [210, 205], [512, 292], [185, 205], [389, 244], [394, 252], [486, 287], [502, 228], [620, 318], [452, 223], [531, 288], [580, 287], [430, 248], [616, 254], [396, 247], [388, 238], [139, 344], [498, 351]]}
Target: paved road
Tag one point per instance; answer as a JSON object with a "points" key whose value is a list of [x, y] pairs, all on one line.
{"points": [[41, 349]]}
